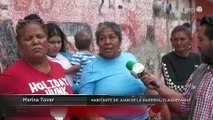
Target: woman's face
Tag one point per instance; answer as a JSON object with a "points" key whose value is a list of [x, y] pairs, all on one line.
{"points": [[54, 46], [33, 44], [180, 41], [108, 43]]}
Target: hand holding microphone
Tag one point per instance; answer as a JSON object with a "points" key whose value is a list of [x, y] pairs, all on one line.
{"points": [[138, 71]]}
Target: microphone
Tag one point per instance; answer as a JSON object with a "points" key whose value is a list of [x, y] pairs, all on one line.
{"points": [[137, 70]]}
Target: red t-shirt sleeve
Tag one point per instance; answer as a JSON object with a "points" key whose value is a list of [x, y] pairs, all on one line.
{"points": [[7, 82]]}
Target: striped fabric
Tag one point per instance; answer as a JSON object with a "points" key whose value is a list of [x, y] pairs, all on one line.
{"points": [[81, 58], [204, 97]]}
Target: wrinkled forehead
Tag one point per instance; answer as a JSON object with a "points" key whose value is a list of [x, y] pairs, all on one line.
{"points": [[179, 34], [29, 28], [32, 26]]}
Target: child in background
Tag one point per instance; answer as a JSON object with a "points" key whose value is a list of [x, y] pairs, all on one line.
{"points": [[82, 57], [57, 48]]}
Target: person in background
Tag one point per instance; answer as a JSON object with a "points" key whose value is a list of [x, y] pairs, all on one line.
{"points": [[81, 58], [33, 73], [178, 65], [187, 25], [107, 73], [57, 48], [196, 101]]}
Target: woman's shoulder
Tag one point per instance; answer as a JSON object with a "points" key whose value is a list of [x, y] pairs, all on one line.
{"points": [[127, 54], [55, 64], [67, 55], [171, 56], [194, 54], [62, 58], [168, 55], [56, 68], [95, 63], [16, 68], [17, 65]]}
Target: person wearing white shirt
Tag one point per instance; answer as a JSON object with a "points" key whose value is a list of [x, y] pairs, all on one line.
{"points": [[57, 50]]}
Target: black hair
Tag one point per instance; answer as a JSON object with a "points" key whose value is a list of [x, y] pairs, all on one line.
{"points": [[28, 19], [182, 28], [187, 25], [208, 20], [53, 29], [115, 27], [32, 17]]}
